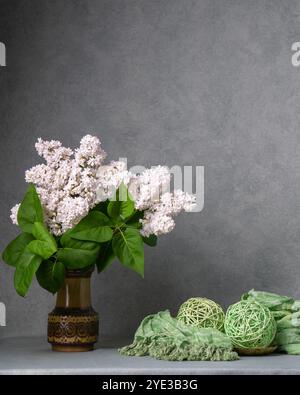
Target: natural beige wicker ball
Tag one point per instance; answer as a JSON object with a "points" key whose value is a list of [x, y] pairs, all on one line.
{"points": [[201, 312]]}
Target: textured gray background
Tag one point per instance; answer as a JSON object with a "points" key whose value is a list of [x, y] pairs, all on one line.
{"points": [[204, 82]]}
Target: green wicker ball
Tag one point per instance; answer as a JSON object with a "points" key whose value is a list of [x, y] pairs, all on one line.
{"points": [[250, 325], [201, 312]]}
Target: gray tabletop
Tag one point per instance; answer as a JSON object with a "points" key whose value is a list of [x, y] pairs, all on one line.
{"points": [[34, 356]]}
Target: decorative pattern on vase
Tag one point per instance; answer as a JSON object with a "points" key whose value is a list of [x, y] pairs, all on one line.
{"points": [[73, 329]]}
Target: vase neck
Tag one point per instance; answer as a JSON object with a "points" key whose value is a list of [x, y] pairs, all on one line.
{"points": [[76, 292]]}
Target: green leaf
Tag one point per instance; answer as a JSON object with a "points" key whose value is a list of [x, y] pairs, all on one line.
{"points": [[128, 247], [45, 245], [123, 207], [41, 248], [102, 207], [75, 258], [105, 257], [67, 241], [30, 210], [27, 266], [40, 232], [150, 240], [95, 226], [51, 276], [134, 220], [77, 254], [121, 210], [15, 248]]}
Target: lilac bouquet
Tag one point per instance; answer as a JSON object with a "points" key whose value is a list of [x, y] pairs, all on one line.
{"points": [[79, 212]]}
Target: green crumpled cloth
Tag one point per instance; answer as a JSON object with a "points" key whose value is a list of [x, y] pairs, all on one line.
{"points": [[288, 336], [291, 349], [291, 320], [270, 300], [164, 337], [286, 312]]}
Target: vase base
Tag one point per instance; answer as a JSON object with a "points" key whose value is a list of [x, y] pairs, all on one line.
{"points": [[73, 348]]}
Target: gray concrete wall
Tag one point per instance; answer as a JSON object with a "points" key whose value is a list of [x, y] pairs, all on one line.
{"points": [[205, 82]]}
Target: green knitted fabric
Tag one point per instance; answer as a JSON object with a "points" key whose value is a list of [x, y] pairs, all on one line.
{"points": [[291, 349], [164, 337], [278, 315], [296, 305], [290, 321], [288, 336], [286, 312], [270, 300]]}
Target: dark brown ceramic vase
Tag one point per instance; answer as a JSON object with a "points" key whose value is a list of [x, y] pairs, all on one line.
{"points": [[73, 325]]}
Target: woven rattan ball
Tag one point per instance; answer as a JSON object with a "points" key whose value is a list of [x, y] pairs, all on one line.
{"points": [[250, 325], [201, 312]]}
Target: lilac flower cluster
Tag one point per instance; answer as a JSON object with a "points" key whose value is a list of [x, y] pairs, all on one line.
{"points": [[71, 183]]}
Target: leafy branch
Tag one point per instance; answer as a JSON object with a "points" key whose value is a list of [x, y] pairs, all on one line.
{"points": [[110, 230]]}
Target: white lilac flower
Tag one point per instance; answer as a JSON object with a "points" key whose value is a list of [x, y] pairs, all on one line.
{"points": [[147, 187], [67, 186], [90, 154], [52, 151], [14, 214], [156, 223], [41, 175], [70, 211], [70, 184], [109, 178], [182, 201], [158, 219]]}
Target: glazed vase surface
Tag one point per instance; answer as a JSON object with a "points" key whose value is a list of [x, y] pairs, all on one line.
{"points": [[73, 325]]}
